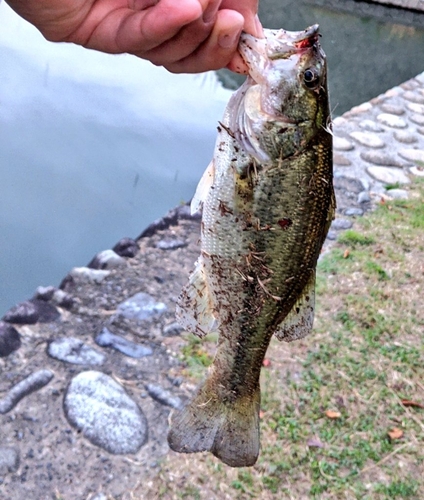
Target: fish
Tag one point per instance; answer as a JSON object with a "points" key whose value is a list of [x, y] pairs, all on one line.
{"points": [[267, 202]]}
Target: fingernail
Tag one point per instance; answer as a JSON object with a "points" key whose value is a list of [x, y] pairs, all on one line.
{"points": [[259, 28], [229, 40], [210, 12]]}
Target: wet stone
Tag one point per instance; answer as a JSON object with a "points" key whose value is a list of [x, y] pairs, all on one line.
{"points": [[418, 171], [170, 244], [413, 97], [141, 306], [340, 224], [9, 459], [342, 144], [364, 197], [351, 212], [28, 385], [405, 137], [104, 413], [417, 118], [416, 108], [398, 194], [381, 158], [87, 275], [107, 339], [392, 109], [73, 350], [163, 396], [391, 120], [107, 259], [371, 126], [368, 139], [126, 247], [172, 330], [388, 175], [10, 340], [412, 154], [341, 160]]}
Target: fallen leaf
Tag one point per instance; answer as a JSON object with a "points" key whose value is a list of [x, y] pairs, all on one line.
{"points": [[266, 362], [261, 414], [333, 414], [395, 433], [315, 442], [408, 402], [346, 253]]}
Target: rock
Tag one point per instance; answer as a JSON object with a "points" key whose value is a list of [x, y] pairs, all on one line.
{"points": [[44, 293], [9, 460], [391, 120], [47, 313], [420, 130], [331, 235], [87, 275], [63, 299], [368, 139], [405, 137], [172, 330], [342, 144], [107, 259], [418, 171], [170, 219], [104, 413], [416, 108], [348, 184], [32, 383], [163, 396], [339, 224], [72, 350], [141, 306], [25, 313], [412, 154], [364, 197], [392, 109], [381, 158], [389, 175], [341, 160], [10, 340], [126, 247], [398, 194], [371, 125], [107, 339], [170, 244], [413, 97], [353, 211], [417, 118]]}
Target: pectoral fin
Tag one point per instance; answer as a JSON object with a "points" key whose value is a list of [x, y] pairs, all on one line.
{"points": [[298, 323], [194, 305], [203, 188]]}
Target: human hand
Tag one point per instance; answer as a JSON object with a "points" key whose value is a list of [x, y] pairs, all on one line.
{"points": [[187, 36]]}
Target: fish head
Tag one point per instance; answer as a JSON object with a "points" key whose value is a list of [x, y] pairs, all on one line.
{"points": [[286, 86]]}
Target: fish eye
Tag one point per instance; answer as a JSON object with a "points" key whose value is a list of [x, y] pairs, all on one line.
{"points": [[311, 78]]}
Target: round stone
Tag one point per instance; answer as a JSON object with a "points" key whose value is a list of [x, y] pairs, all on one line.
{"points": [[107, 259], [388, 175], [417, 118], [391, 120], [398, 194], [418, 171], [87, 275], [367, 139], [72, 350], [339, 224], [416, 108], [381, 158], [126, 247], [420, 130], [104, 413], [412, 154], [364, 197], [25, 313], [392, 109], [9, 339], [353, 211], [413, 97], [341, 160], [342, 144], [405, 137], [371, 125], [141, 306]]}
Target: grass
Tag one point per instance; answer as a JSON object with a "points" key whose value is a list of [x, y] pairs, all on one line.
{"points": [[334, 423]]}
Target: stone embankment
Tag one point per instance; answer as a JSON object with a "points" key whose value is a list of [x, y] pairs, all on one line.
{"points": [[90, 370]]}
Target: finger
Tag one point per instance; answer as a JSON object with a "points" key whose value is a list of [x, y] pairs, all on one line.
{"points": [[217, 50]]}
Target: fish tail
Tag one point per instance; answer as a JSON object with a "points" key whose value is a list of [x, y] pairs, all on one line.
{"points": [[227, 427]]}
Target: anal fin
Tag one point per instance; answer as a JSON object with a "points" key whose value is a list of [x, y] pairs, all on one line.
{"points": [[298, 323], [194, 305]]}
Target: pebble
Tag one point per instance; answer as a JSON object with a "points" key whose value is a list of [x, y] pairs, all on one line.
{"points": [[405, 137], [368, 139], [63, 299], [339, 224], [107, 259], [75, 351], [87, 275], [398, 194], [107, 339], [141, 306], [342, 144], [392, 109], [170, 244], [348, 184], [331, 235], [381, 158], [24, 313], [412, 154], [391, 120], [418, 171], [413, 97], [164, 397], [32, 383], [104, 413], [10, 340], [353, 211], [9, 459], [371, 125], [420, 130], [416, 108], [172, 330], [341, 160], [389, 175], [364, 197], [416, 118], [126, 247], [44, 292]]}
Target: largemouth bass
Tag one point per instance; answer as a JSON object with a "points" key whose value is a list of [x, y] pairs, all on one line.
{"points": [[268, 202]]}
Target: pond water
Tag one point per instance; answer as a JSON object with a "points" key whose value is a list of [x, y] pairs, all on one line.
{"points": [[94, 147]]}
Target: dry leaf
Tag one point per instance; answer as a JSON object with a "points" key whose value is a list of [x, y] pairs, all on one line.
{"points": [[333, 414], [408, 402], [261, 414], [346, 253], [395, 433], [266, 362]]}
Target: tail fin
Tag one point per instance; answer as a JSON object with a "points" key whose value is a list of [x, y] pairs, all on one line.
{"points": [[228, 429]]}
